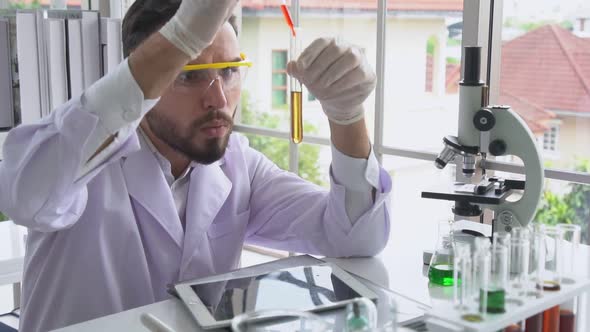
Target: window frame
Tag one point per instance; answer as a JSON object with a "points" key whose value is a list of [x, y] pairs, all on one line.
{"points": [[476, 15]]}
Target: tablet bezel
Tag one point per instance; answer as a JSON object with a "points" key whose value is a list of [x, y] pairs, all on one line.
{"points": [[206, 320]]}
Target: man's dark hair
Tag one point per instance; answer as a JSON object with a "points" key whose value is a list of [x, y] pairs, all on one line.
{"points": [[146, 17]]}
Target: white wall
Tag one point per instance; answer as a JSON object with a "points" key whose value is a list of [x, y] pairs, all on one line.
{"points": [[574, 135]]}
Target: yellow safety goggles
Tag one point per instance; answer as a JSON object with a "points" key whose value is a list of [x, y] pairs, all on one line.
{"points": [[220, 65], [203, 76]]}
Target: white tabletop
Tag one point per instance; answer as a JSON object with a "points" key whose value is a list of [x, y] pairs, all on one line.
{"points": [[175, 315], [399, 268]]}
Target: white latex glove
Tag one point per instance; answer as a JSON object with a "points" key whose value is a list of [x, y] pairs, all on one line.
{"points": [[196, 23], [338, 75]]}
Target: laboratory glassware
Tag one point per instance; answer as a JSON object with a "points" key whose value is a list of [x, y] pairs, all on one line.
{"points": [[498, 281], [440, 271], [462, 275], [551, 276], [273, 320]]}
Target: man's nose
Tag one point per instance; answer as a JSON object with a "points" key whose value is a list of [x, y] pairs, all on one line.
{"points": [[214, 96]]}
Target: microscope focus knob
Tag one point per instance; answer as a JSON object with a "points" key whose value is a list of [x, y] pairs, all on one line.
{"points": [[497, 147], [484, 120]]}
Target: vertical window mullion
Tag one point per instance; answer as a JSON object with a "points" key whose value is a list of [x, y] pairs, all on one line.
{"points": [[380, 71]]}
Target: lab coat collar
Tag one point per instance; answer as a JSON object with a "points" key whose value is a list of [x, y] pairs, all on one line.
{"points": [[209, 189], [147, 185]]}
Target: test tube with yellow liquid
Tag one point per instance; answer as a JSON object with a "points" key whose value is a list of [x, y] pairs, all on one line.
{"points": [[295, 86], [296, 97]]}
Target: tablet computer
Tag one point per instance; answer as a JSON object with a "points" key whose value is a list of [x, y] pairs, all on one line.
{"points": [[214, 302]]}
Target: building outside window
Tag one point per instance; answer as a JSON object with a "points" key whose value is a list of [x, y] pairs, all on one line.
{"points": [[279, 79], [550, 139]]}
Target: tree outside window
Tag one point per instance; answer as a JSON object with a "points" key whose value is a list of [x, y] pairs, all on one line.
{"points": [[571, 206], [277, 150]]}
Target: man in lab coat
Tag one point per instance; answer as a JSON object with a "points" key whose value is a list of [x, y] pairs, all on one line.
{"points": [[140, 183]]}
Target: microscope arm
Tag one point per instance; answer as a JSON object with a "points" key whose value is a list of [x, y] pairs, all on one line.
{"points": [[511, 136]]}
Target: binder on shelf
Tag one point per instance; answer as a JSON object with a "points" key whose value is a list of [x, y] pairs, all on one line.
{"points": [[59, 55], [112, 43], [57, 62], [75, 58], [29, 66], [115, 42], [7, 118], [91, 47]]}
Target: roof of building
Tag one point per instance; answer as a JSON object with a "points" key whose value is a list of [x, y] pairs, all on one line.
{"points": [[547, 69], [534, 115], [402, 5]]}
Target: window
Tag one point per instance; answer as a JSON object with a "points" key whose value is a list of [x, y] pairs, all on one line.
{"points": [[396, 116], [545, 43], [279, 79], [550, 139]]}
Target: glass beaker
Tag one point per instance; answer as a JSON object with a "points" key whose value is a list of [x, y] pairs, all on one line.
{"points": [[440, 271], [551, 276], [288, 320]]}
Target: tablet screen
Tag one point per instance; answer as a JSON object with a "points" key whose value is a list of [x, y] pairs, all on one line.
{"points": [[300, 288]]}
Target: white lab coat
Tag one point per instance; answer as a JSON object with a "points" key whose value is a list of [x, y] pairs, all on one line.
{"points": [[112, 240]]}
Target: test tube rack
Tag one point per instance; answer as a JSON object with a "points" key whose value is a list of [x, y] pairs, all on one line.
{"points": [[444, 317]]}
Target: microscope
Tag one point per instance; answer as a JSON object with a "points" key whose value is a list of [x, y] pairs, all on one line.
{"points": [[494, 130]]}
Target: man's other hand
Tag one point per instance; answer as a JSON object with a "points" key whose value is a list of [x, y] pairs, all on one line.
{"points": [[338, 75]]}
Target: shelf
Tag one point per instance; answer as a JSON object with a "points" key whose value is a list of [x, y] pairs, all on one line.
{"points": [[443, 317]]}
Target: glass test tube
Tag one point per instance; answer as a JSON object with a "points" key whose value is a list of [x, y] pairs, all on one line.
{"points": [[551, 319], [295, 86], [502, 239], [536, 262], [551, 276], [570, 244], [520, 233], [519, 256], [481, 272], [462, 275], [498, 282]]}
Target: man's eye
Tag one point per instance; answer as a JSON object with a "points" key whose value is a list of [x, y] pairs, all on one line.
{"points": [[191, 77], [227, 73]]}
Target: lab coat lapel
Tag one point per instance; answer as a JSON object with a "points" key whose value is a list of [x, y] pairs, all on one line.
{"points": [[147, 185], [208, 191]]}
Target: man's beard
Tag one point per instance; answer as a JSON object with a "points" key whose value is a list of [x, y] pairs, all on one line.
{"points": [[204, 152]]}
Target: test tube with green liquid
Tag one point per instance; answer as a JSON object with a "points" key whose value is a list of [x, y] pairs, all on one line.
{"points": [[495, 292]]}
